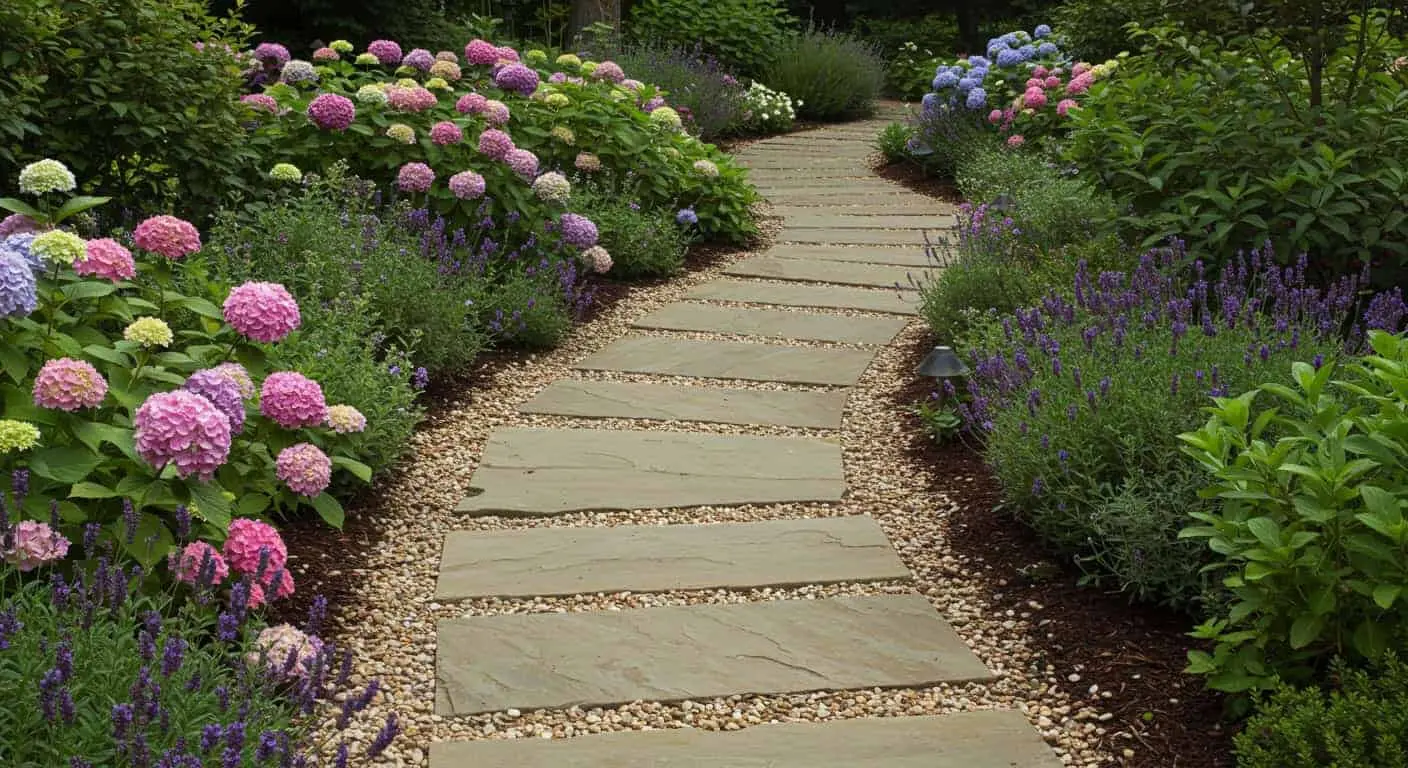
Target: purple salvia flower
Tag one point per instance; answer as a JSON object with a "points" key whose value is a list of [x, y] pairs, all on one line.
{"points": [[129, 521], [183, 522], [384, 736]]}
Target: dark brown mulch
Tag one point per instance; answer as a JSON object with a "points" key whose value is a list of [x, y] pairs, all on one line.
{"points": [[912, 176], [1135, 652]]}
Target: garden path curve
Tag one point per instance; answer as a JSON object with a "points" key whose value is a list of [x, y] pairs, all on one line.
{"points": [[798, 324]]}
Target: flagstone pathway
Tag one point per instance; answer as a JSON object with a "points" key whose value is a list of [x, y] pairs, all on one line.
{"points": [[801, 322]]}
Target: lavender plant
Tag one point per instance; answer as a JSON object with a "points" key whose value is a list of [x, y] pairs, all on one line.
{"points": [[1079, 400]]}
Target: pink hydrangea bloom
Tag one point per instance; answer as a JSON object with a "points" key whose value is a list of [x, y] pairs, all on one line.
{"points": [[108, 259], [506, 53], [467, 185], [332, 112], [15, 224], [471, 103], [68, 385], [183, 429], [416, 99], [187, 566], [264, 312], [236, 373], [557, 77], [415, 177], [35, 544], [326, 54], [1034, 82], [1052, 82], [284, 586], [445, 133], [496, 112], [481, 53], [260, 101], [243, 543], [1015, 140], [1034, 98], [386, 51], [1080, 68], [495, 144], [523, 162], [1080, 83], [1040, 71], [167, 235], [255, 596], [609, 71], [1064, 107], [995, 116], [292, 400], [304, 468], [344, 419], [222, 392], [275, 645], [636, 85]]}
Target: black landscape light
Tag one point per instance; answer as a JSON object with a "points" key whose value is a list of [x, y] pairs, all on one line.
{"points": [[942, 364]]}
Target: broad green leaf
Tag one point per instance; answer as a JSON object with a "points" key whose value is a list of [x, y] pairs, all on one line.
{"points": [[1306, 628], [89, 289], [17, 206], [77, 205], [330, 510], [211, 504], [87, 490], [64, 464], [1385, 594], [1266, 531], [362, 471]]}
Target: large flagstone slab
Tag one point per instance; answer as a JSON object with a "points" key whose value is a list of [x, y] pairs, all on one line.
{"points": [[776, 323], [707, 359], [801, 295], [535, 472], [790, 234], [890, 205], [629, 400], [839, 272], [658, 558], [981, 739], [838, 218], [898, 256], [601, 658], [826, 198]]}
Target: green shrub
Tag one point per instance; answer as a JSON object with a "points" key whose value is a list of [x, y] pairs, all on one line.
{"points": [[745, 35], [117, 91], [833, 75], [1049, 205], [528, 309], [893, 142], [690, 80], [1095, 29], [765, 111], [1222, 146], [1309, 533], [1079, 399], [642, 244], [1360, 723], [989, 270]]}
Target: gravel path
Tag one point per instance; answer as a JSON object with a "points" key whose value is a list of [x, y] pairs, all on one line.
{"points": [[390, 622]]}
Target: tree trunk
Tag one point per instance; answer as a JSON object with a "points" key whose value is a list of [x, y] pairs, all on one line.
{"points": [[588, 12]]}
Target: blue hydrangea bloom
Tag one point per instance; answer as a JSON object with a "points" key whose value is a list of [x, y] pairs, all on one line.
{"points": [[1008, 58], [687, 216], [979, 72], [945, 80], [18, 292], [1042, 30], [19, 243], [977, 62], [1047, 48], [969, 83], [1011, 39], [1027, 52], [977, 99]]}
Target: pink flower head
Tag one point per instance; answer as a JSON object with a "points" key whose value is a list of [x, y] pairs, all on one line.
{"points": [[277, 644], [184, 429], [445, 133], [1034, 98], [254, 597], [414, 99], [196, 556], [471, 103], [419, 58], [1080, 68], [481, 53], [523, 162], [1034, 82], [386, 51], [506, 53], [222, 392], [495, 144], [264, 312], [415, 177], [167, 235], [292, 400], [1080, 83], [1052, 82], [609, 71], [467, 185], [35, 544], [108, 259], [1015, 140], [17, 224], [1064, 107], [280, 583], [260, 101], [244, 541], [598, 258], [272, 53], [636, 85], [995, 116], [69, 385], [557, 77], [237, 374], [332, 112], [326, 54], [304, 468], [1040, 71], [496, 112]]}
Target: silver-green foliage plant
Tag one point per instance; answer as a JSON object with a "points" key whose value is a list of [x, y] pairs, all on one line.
{"points": [[831, 75], [1311, 481]]}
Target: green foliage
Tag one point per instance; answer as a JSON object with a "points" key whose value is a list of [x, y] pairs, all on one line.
{"points": [[1312, 484], [1095, 30], [981, 278], [745, 35], [1047, 202], [117, 91], [642, 244], [832, 74], [1222, 146], [939, 420], [1361, 723], [893, 142], [910, 73], [692, 81], [523, 310]]}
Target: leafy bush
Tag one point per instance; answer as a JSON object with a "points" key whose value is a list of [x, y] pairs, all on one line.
{"points": [[893, 142], [766, 111], [1096, 29], [1361, 723], [832, 75], [1226, 148], [642, 244], [115, 89], [1049, 205], [990, 268], [745, 35], [692, 81], [1079, 399], [1310, 534], [524, 310]]}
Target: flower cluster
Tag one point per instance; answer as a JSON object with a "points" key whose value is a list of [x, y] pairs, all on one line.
{"points": [[46, 176], [304, 468], [415, 177], [332, 112], [577, 230], [298, 71], [552, 187], [387, 52], [18, 295], [467, 185], [420, 59], [523, 163], [344, 419], [446, 132], [262, 311], [517, 77], [149, 332], [69, 385], [182, 429], [286, 172], [57, 247], [412, 98], [167, 236], [292, 400], [764, 110], [34, 544], [223, 391], [17, 436]]}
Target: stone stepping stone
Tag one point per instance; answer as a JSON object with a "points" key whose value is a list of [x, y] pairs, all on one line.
{"points": [[540, 562], [981, 739], [626, 400], [833, 236], [905, 257], [709, 359], [775, 323], [840, 272], [779, 161], [798, 295], [603, 658], [538, 472], [890, 206], [839, 219]]}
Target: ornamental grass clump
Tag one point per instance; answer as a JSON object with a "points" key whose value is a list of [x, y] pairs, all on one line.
{"points": [[1079, 400]]}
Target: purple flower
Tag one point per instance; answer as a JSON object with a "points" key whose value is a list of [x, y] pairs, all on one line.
{"points": [[418, 58], [686, 216], [578, 230], [386, 51], [332, 112], [517, 77]]}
